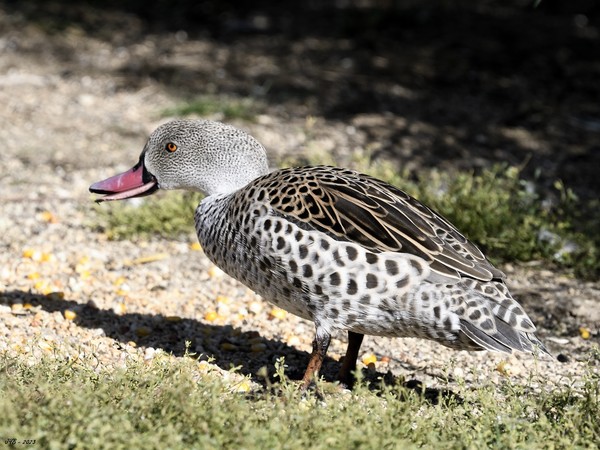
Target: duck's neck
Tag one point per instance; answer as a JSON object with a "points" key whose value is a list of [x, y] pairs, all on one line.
{"points": [[229, 180]]}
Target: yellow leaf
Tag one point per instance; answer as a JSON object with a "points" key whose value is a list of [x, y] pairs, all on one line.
{"points": [[277, 313], [584, 333], [69, 315], [369, 358], [85, 274], [47, 216], [146, 259], [45, 257], [211, 316], [40, 285], [47, 290]]}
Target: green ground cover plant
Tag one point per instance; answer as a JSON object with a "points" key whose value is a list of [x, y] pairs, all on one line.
{"points": [[226, 108], [168, 403]]}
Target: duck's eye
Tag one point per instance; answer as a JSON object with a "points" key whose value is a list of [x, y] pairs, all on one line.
{"points": [[170, 147]]}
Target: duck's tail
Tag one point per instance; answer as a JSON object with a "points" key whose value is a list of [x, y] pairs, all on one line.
{"points": [[493, 320]]}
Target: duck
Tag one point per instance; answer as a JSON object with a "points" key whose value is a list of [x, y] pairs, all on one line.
{"points": [[342, 249]]}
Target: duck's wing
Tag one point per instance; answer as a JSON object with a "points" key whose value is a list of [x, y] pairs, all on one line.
{"points": [[354, 207]]}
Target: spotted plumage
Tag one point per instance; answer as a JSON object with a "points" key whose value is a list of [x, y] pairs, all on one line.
{"points": [[339, 248]]}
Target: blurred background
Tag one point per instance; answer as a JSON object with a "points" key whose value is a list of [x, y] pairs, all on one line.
{"points": [[448, 84], [434, 83]]}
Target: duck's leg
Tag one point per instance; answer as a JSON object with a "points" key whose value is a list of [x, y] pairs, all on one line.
{"points": [[349, 363], [320, 346]]}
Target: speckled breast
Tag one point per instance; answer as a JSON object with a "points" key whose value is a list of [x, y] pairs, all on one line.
{"points": [[232, 237], [338, 284]]}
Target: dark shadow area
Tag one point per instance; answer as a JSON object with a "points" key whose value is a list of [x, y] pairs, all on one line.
{"points": [[434, 396], [451, 84], [172, 336]]}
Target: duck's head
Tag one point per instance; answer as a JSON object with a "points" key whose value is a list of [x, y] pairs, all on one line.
{"points": [[198, 155]]}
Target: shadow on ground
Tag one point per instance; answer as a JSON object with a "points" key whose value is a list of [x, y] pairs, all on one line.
{"points": [[171, 336]]}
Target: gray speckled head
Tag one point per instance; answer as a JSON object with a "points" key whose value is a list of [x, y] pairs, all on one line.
{"points": [[210, 157]]}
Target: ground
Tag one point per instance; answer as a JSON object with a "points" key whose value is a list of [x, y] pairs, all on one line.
{"points": [[453, 88]]}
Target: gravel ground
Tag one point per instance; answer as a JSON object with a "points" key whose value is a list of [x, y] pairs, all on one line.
{"points": [[72, 115]]}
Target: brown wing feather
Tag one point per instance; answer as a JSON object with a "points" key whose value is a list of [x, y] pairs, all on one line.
{"points": [[358, 208]]}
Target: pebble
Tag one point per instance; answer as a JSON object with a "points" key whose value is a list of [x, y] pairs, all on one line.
{"points": [[149, 353], [255, 307]]}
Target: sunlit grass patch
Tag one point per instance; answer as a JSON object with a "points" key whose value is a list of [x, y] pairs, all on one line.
{"points": [[171, 403], [169, 214], [223, 108]]}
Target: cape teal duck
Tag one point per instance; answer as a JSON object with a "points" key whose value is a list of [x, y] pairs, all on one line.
{"points": [[339, 248]]}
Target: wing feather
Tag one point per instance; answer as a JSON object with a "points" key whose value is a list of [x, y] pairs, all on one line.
{"points": [[354, 207]]}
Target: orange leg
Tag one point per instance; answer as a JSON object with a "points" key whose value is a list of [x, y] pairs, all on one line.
{"points": [[320, 346], [349, 363]]}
